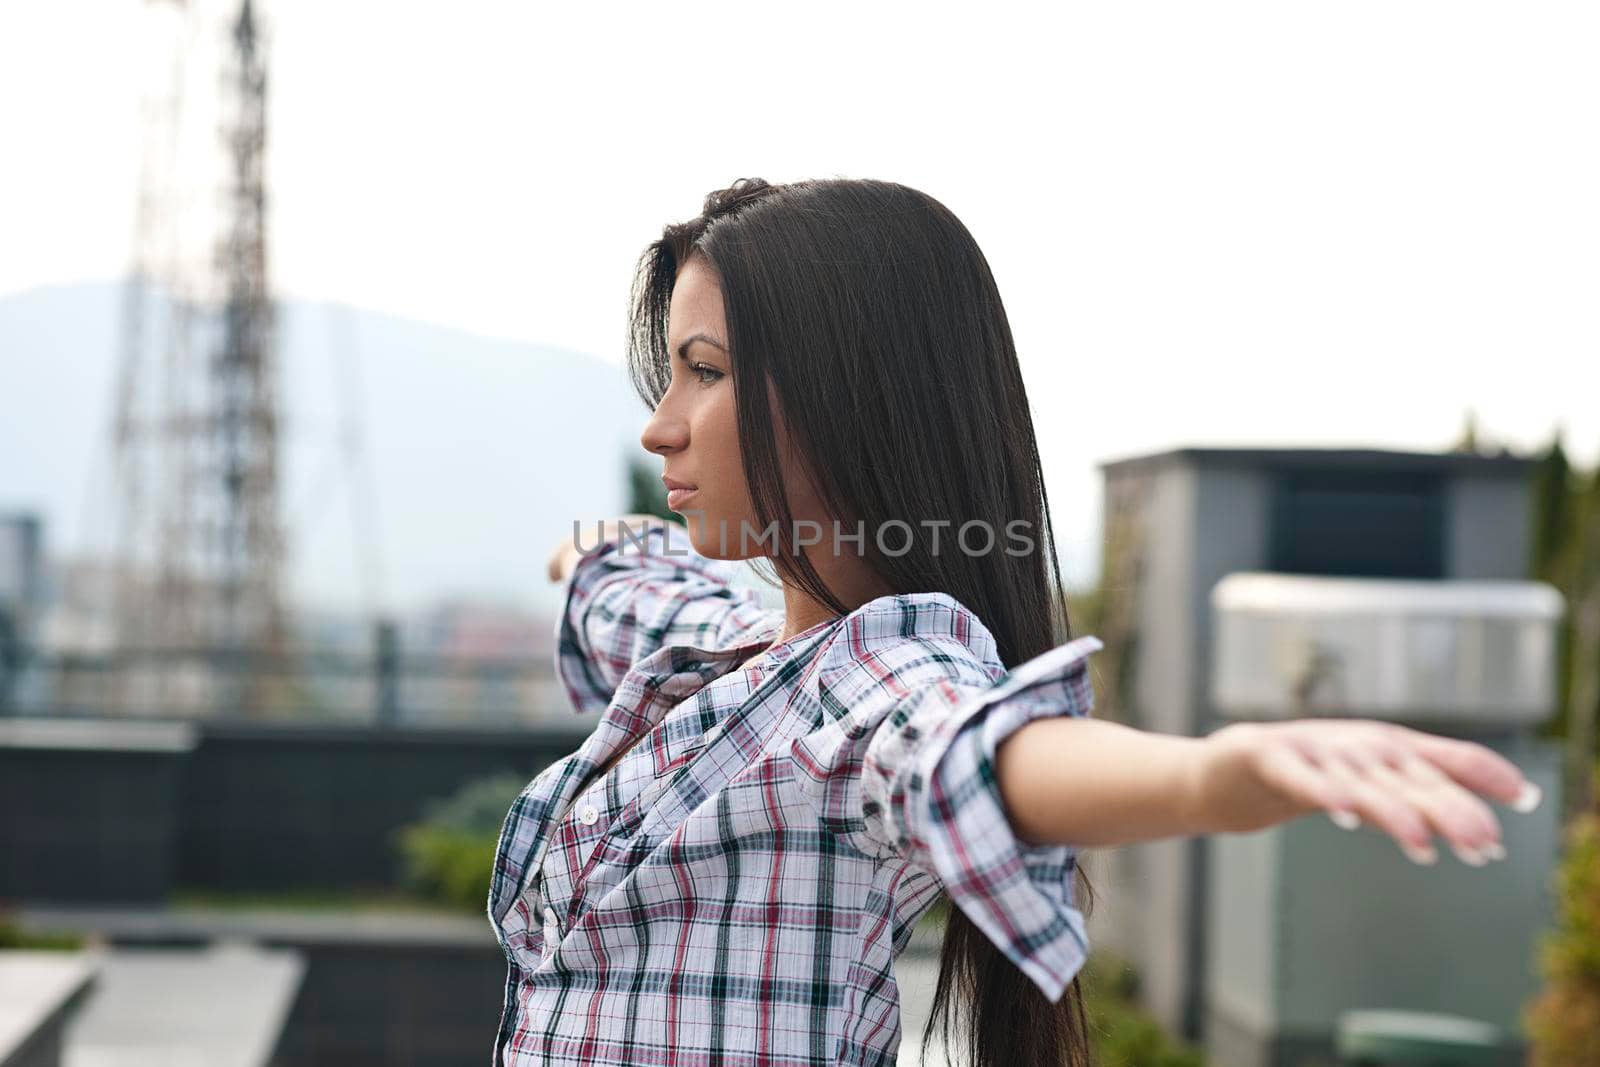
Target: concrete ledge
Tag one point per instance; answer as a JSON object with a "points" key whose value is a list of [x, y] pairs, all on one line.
{"points": [[225, 1006], [192, 926], [380, 989], [105, 735], [39, 992]]}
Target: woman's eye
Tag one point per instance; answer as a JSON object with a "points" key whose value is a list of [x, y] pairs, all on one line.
{"points": [[702, 370]]}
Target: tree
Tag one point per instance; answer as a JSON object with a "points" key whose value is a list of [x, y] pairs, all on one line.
{"points": [[1565, 552], [1584, 703], [1554, 514], [1563, 1022], [1553, 548], [1468, 441]]}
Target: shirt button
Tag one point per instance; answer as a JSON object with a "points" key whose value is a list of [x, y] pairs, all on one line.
{"points": [[588, 815], [550, 916]]}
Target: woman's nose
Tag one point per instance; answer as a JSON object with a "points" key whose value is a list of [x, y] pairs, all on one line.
{"points": [[664, 432]]}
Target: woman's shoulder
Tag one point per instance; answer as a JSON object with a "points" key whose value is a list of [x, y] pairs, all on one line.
{"points": [[904, 637], [907, 639]]}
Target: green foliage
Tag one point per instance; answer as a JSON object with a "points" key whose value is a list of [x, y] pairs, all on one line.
{"points": [[1087, 607], [1554, 514], [1120, 1034], [646, 494], [449, 854], [1563, 1022], [1564, 546], [13, 936], [1468, 441]]}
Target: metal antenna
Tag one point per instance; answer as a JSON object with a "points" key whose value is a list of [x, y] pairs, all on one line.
{"points": [[197, 445]]}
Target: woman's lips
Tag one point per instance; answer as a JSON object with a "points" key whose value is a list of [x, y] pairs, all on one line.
{"points": [[678, 496]]}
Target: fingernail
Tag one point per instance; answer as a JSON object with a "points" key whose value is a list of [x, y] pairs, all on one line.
{"points": [[1470, 856], [1494, 850], [1345, 820], [1528, 799], [1424, 855]]}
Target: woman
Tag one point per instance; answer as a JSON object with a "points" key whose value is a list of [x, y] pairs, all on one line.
{"points": [[724, 872]]}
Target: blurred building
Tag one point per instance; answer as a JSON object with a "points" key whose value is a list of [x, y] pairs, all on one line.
{"points": [[21, 594], [1211, 935]]}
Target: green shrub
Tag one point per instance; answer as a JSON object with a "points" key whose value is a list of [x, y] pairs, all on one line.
{"points": [[449, 855], [1563, 1022], [13, 936], [1120, 1034]]}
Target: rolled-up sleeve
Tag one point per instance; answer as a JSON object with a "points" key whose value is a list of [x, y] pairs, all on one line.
{"points": [[908, 771], [636, 593]]}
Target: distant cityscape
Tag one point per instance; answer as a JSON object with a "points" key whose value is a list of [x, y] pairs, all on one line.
{"points": [[460, 660], [464, 660]]}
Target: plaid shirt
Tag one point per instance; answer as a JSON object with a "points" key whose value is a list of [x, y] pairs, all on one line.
{"points": [[734, 890]]}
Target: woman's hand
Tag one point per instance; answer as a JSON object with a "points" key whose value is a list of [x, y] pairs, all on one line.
{"points": [[1409, 784], [566, 554]]}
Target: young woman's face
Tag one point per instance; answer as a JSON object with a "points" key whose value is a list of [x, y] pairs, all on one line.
{"points": [[695, 428]]}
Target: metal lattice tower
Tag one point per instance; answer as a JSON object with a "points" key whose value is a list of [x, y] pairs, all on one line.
{"points": [[199, 542]]}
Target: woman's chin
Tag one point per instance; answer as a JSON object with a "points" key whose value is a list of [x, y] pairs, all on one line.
{"points": [[713, 538], [711, 548]]}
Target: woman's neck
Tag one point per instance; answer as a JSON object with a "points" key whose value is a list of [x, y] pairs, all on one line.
{"points": [[848, 577]]}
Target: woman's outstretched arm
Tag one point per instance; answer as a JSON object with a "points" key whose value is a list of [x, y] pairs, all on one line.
{"points": [[641, 587], [1094, 782]]}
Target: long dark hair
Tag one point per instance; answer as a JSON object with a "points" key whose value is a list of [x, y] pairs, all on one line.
{"points": [[874, 316]]}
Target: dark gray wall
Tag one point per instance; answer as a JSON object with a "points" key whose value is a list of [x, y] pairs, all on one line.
{"points": [[395, 1005], [272, 808], [247, 807], [88, 810]]}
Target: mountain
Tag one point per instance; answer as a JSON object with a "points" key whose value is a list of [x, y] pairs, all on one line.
{"points": [[482, 451]]}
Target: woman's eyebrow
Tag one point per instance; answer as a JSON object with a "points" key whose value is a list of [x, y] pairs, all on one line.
{"points": [[683, 349]]}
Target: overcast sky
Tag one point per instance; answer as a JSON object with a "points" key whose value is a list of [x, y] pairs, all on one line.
{"points": [[1276, 224]]}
